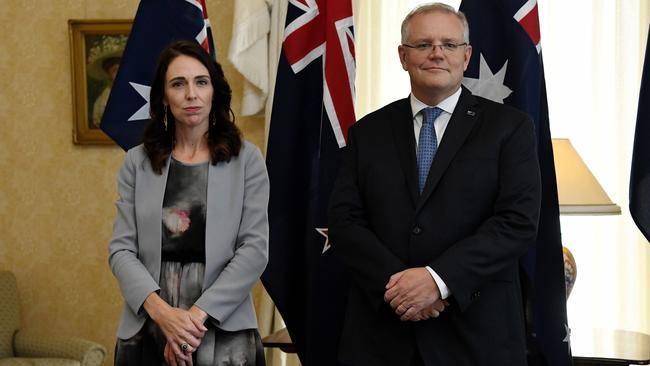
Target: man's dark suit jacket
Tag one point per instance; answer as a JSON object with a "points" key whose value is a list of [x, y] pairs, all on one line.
{"points": [[476, 216]]}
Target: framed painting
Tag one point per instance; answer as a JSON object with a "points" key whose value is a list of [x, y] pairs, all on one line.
{"points": [[96, 48]]}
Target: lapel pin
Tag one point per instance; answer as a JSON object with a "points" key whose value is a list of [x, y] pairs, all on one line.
{"points": [[471, 113]]}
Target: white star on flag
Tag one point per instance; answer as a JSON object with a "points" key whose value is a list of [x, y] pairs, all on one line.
{"points": [[323, 232], [489, 85], [143, 112]]}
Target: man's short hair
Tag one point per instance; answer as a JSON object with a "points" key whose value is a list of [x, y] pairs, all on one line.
{"points": [[435, 7]]}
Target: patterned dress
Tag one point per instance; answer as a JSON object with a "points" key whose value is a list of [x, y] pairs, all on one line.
{"points": [[181, 278]]}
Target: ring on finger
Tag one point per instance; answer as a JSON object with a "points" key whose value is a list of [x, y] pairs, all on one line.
{"points": [[185, 347]]}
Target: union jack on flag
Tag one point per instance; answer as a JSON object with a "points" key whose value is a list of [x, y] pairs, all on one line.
{"points": [[324, 30], [313, 107]]}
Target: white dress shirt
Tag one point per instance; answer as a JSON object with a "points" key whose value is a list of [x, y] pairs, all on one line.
{"points": [[440, 125]]}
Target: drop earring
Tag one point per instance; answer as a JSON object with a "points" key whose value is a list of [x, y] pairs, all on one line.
{"points": [[165, 118]]}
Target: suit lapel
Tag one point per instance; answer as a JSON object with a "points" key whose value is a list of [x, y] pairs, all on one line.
{"points": [[462, 121], [402, 126]]}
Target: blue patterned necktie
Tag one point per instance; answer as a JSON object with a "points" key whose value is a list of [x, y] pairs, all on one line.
{"points": [[427, 144]]}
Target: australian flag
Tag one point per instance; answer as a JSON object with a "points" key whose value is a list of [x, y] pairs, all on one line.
{"points": [[640, 175], [157, 23], [312, 110], [506, 67]]}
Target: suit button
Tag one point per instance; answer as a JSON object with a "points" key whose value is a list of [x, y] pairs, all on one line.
{"points": [[417, 230]]}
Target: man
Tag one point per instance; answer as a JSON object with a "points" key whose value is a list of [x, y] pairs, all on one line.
{"points": [[437, 198]]}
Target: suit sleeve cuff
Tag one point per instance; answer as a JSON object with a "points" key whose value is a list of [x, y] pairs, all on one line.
{"points": [[444, 290]]}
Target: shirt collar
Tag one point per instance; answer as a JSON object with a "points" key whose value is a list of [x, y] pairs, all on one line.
{"points": [[448, 105]]}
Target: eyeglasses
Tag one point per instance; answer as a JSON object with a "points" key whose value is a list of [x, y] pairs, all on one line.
{"points": [[447, 47]]}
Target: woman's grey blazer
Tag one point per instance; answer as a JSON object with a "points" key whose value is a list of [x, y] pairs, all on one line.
{"points": [[236, 237]]}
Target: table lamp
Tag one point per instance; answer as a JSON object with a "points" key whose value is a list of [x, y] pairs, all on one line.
{"points": [[579, 193]]}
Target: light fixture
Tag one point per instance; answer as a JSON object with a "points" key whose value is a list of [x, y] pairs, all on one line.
{"points": [[579, 193]]}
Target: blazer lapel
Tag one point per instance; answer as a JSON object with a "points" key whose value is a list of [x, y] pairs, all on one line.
{"points": [[153, 194], [462, 121], [220, 227], [402, 126]]}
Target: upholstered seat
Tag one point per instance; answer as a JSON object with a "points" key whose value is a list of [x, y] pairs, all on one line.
{"points": [[16, 361], [31, 348]]}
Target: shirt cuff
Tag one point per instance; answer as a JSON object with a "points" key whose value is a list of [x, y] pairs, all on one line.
{"points": [[444, 290]]}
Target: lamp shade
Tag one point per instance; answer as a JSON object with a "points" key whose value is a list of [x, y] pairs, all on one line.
{"points": [[579, 192]]}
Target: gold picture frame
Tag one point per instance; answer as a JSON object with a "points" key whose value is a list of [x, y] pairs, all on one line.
{"points": [[96, 48]]}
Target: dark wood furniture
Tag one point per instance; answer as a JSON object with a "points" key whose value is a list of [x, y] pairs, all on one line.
{"points": [[604, 347], [280, 339]]}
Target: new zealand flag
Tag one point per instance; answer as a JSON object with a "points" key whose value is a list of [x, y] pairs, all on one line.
{"points": [[506, 67], [312, 110], [640, 175], [157, 23]]}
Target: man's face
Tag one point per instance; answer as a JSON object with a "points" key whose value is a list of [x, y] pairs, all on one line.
{"points": [[435, 73]]}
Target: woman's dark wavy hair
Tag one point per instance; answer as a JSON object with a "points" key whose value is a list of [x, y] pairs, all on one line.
{"points": [[224, 138]]}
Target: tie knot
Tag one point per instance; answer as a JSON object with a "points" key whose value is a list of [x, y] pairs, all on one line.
{"points": [[430, 114]]}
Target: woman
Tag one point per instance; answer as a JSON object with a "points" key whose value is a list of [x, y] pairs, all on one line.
{"points": [[191, 235]]}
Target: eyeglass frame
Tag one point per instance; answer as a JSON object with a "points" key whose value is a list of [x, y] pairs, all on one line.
{"points": [[449, 47]]}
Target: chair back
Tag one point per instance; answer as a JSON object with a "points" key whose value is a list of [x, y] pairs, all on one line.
{"points": [[9, 313]]}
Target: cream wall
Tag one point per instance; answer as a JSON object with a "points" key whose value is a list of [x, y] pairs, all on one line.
{"points": [[57, 198]]}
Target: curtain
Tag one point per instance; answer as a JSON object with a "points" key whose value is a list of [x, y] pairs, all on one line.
{"points": [[593, 54]]}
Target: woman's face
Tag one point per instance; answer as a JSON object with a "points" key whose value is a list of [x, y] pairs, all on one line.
{"points": [[188, 92]]}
